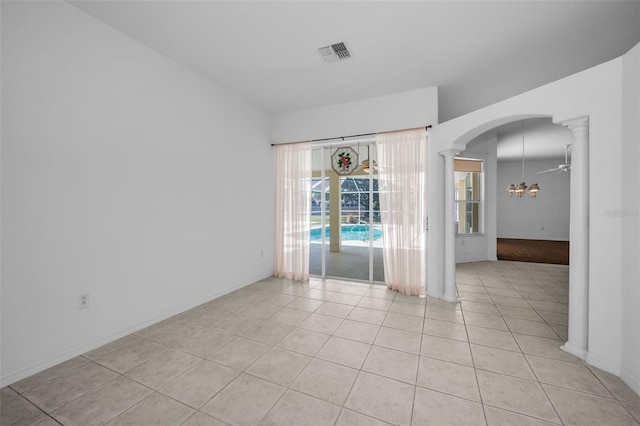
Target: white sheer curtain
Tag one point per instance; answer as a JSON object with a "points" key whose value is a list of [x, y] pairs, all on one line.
{"points": [[293, 210], [402, 167]]}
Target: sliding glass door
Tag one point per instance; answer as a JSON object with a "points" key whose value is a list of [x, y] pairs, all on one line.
{"points": [[346, 239]]}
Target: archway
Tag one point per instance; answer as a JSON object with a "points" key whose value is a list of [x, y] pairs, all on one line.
{"points": [[443, 239]]}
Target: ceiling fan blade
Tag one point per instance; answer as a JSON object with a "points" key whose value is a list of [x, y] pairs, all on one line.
{"points": [[549, 171], [562, 168]]}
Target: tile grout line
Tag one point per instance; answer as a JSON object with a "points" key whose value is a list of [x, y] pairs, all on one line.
{"points": [[360, 369], [415, 384], [289, 388], [555, 410], [473, 364], [525, 358]]}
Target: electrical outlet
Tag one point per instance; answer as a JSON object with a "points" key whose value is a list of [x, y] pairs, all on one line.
{"points": [[83, 301]]}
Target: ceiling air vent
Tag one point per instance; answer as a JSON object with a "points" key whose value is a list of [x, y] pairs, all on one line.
{"points": [[334, 52]]}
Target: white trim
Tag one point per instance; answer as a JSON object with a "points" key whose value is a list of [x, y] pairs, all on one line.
{"points": [[632, 381], [603, 364], [462, 259], [580, 353], [323, 210]]}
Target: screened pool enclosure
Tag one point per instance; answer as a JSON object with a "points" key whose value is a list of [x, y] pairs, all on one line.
{"points": [[348, 203]]}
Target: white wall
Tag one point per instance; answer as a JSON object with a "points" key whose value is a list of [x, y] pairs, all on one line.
{"points": [[596, 93], [124, 175], [545, 217], [415, 108], [472, 248], [629, 219]]}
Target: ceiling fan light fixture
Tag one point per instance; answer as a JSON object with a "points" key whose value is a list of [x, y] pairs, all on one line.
{"points": [[366, 167], [511, 189], [520, 189]]}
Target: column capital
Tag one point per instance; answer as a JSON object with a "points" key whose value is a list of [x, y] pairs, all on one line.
{"points": [[579, 123], [449, 153]]}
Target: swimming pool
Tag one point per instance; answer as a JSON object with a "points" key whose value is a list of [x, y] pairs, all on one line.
{"points": [[348, 233]]}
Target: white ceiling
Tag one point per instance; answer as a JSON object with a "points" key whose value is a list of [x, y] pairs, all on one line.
{"points": [[476, 52]]}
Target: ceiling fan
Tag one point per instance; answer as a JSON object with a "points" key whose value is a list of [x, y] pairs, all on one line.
{"points": [[365, 166], [562, 168]]}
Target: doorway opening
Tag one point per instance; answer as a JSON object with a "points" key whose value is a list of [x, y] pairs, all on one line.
{"points": [[575, 300], [346, 234]]}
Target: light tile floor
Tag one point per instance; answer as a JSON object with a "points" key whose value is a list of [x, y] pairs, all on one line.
{"points": [[334, 352]]}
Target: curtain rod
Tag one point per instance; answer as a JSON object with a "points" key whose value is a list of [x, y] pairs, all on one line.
{"points": [[339, 137]]}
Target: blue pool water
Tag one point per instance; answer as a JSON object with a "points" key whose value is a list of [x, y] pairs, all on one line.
{"points": [[349, 233]]}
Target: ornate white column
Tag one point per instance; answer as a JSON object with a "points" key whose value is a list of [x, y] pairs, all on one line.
{"points": [[578, 342], [450, 293]]}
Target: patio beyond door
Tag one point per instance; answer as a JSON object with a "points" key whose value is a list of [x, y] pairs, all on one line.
{"points": [[346, 238]]}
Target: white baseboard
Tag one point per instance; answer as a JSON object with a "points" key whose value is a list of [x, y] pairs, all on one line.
{"points": [[632, 381], [463, 259], [580, 353], [96, 343], [603, 364]]}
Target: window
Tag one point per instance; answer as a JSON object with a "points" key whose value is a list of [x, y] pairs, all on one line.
{"points": [[468, 181]]}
